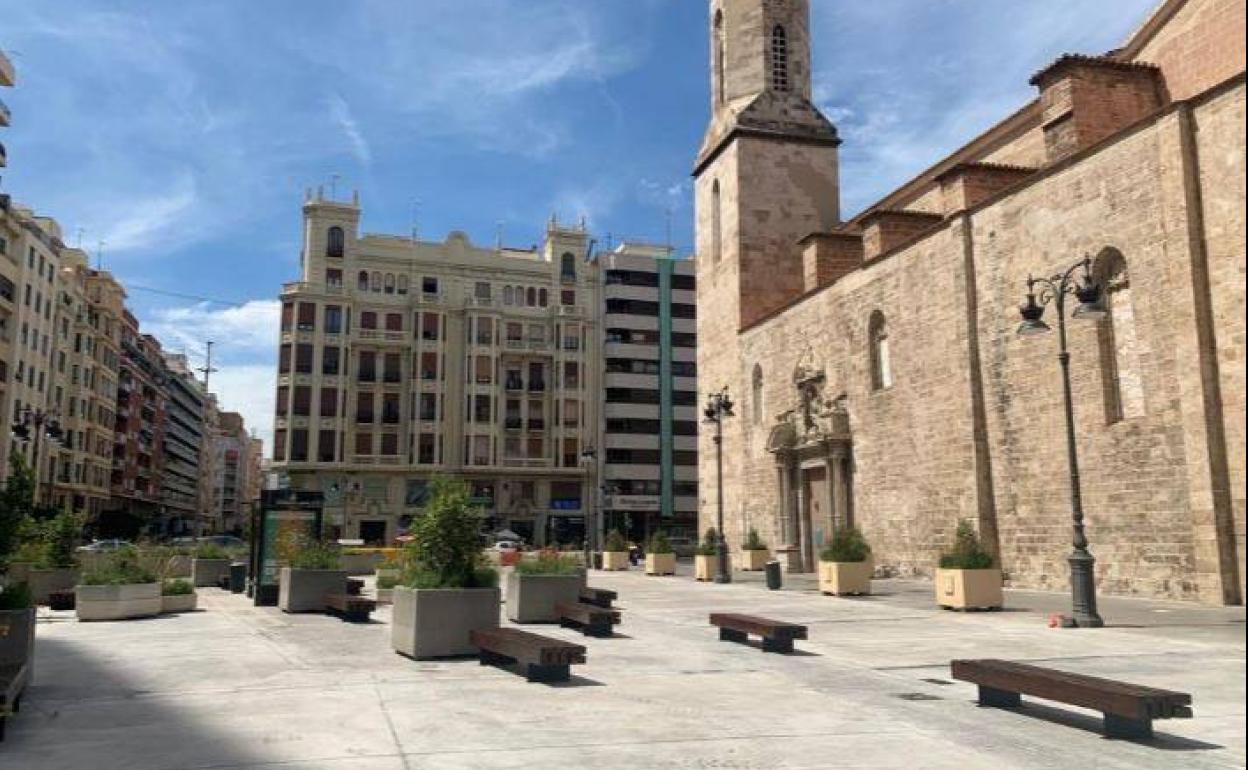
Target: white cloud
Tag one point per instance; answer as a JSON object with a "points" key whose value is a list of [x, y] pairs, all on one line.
{"points": [[242, 332], [249, 390], [340, 113]]}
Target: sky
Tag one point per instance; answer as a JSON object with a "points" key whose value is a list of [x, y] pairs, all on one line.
{"points": [[174, 140]]}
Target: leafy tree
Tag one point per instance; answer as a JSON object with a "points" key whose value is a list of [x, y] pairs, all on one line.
{"points": [[17, 502], [445, 551]]}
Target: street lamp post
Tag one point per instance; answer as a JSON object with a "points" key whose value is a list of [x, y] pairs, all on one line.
{"points": [[1054, 290], [719, 406], [36, 424], [590, 457]]}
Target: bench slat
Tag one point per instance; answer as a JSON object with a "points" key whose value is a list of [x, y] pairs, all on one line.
{"points": [[750, 624], [529, 648], [1104, 695]]}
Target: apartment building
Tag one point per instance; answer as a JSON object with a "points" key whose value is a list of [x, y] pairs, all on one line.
{"points": [[183, 439], [401, 359], [649, 464], [138, 450], [10, 267], [232, 447], [85, 366]]}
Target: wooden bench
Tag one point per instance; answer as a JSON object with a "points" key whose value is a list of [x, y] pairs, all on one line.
{"points": [[590, 619], [1129, 709], [62, 600], [544, 659], [355, 586], [13, 679], [355, 609], [777, 635], [599, 597]]}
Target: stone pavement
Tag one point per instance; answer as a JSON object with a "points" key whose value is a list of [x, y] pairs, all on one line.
{"points": [[235, 686]]}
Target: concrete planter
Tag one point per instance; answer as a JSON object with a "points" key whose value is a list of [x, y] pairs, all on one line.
{"points": [[208, 572], [660, 564], [704, 567], [303, 590], [359, 563], [118, 602], [17, 636], [840, 578], [384, 572], [532, 598], [385, 596], [754, 560], [179, 603], [615, 560], [435, 622], [43, 582], [962, 589], [19, 571]]}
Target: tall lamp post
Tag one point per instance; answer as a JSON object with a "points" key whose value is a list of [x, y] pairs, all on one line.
{"points": [[1041, 292], [35, 424], [589, 456], [718, 407]]}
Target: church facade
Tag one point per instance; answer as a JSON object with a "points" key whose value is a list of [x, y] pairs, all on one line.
{"points": [[875, 362]]}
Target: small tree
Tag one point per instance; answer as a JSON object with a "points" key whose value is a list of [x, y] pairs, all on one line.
{"points": [[753, 542], [710, 543], [847, 546], [446, 548], [17, 502], [615, 542], [659, 544], [967, 551], [61, 538]]}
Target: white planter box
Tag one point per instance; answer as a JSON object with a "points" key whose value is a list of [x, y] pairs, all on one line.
{"points": [[385, 596], [841, 578], [532, 598], [962, 589], [360, 563], [435, 622], [660, 564], [303, 590], [704, 567], [179, 603], [754, 560], [43, 582], [615, 560], [133, 600], [208, 572]]}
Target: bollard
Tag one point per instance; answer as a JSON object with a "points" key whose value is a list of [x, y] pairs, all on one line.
{"points": [[774, 581], [238, 577]]}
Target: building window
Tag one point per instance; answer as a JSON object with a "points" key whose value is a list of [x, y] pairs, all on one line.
{"points": [[288, 316], [361, 282], [329, 361], [325, 445], [329, 402], [368, 320], [756, 398], [389, 283], [509, 295], [394, 322], [530, 297], [335, 242], [567, 267], [333, 319], [1119, 341], [881, 356], [429, 285], [402, 284], [779, 59], [307, 317], [720, 57], [717, 223]]}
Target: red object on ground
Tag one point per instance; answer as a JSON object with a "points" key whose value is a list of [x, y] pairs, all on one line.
{"points": [[508, 558]]}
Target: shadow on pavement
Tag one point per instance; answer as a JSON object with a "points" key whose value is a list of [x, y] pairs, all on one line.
{"points": [[1093, 724]]}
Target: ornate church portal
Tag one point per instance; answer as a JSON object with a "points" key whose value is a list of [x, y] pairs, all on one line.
{"points": [[814, 464]]}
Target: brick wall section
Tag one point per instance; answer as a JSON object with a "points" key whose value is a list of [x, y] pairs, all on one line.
{"points": [[1084, 100], [884, 231], [968, 184], [1199, 47], [827, 257]]}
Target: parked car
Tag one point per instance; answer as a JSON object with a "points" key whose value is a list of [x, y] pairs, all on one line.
{"points": [[105, 545]]}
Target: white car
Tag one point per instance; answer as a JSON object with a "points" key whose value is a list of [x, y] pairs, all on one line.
{"points": [[506, 545]]}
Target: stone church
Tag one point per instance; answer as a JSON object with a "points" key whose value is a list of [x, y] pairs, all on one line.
{"points": [[875, 362]]}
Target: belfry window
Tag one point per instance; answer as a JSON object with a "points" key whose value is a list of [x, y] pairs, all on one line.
{"points": [[717, 223], [720, 56], [1119, 342], [335, 243], [756, 395], [779, 59]]}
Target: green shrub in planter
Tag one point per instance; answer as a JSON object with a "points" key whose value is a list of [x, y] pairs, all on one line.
{"points": [[615, 542], [753, 542], [659, 544], [848, 546], [211, 551], [387, 581], [61, 537], [967, 551], [710, 543], [548, 562], [120, 568], [177, 587], [445, 551], [302, 552], [16, 505], [15, 597]]}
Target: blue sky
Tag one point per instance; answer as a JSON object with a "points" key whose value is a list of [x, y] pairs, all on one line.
{"points": [[182, 134]]}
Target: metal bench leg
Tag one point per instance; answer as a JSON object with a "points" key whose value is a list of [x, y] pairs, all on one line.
{"points": [[600, 630], [777, 645], [731, 635], [539, 673], [991, 696], [488, 658], [1125, 727]]}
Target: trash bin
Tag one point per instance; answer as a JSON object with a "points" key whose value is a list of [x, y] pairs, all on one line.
{"points": [[774, 581], [597, 559], [238, 577]]}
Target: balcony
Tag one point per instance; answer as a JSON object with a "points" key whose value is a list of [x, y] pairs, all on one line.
{"points": [[4, 113], [536, 424], [514, 385], [513, 423], [537, 386]]}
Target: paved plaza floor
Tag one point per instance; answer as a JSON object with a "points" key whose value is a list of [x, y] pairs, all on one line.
{"points": [[235, 686]]}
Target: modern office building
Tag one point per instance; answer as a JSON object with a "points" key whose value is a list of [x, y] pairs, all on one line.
{"points": [[232, 447], [649, 464], [183, 439], [402, 359]]}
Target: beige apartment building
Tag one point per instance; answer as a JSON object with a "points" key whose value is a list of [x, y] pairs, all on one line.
{"points": [[402, 359]]}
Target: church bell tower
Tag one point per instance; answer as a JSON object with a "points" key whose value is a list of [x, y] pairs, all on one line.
{"points": [[766, 173]]}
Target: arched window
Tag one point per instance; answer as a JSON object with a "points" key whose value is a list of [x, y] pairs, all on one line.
{"points": [[1119, 342], [881, 355], [567, 266], [362, 281], [402, 284], [335, 242], [720, 56], [376, 281], [509, 295], [530, 297], [543, 297], [756, 390], [717, 223], [389, 283], [779, 59]]}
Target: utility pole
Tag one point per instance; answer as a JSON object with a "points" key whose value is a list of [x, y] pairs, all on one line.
{"points": [[208, 368]]}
